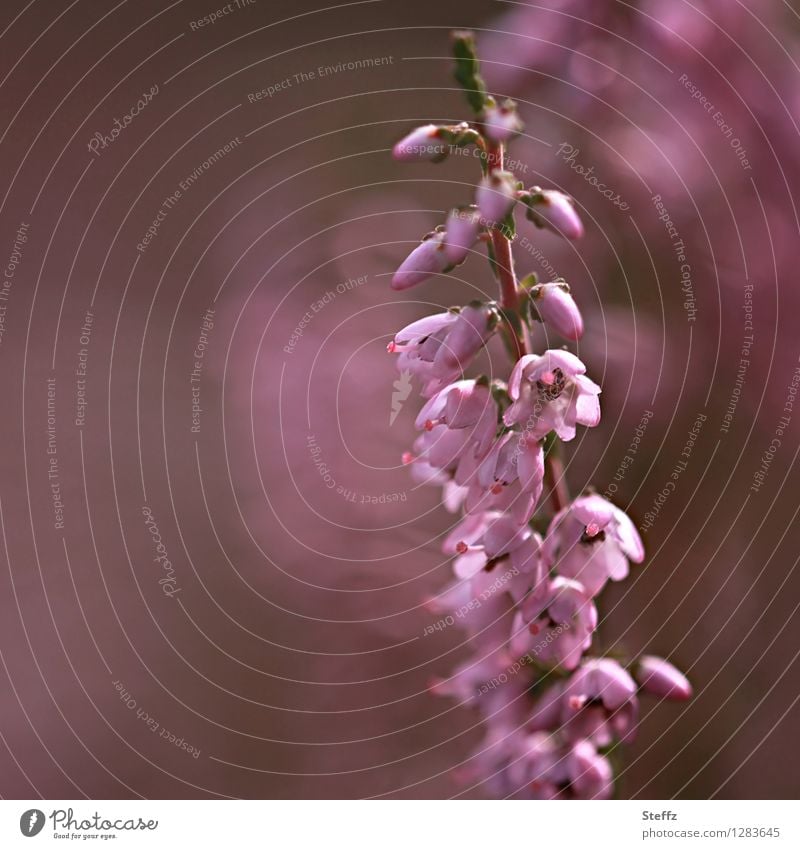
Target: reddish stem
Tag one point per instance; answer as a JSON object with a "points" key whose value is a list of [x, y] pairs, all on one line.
{"points": [[504, 263], [509, 300]]}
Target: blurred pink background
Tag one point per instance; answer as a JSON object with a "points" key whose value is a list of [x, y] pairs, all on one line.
{"points": [[280, 651]]}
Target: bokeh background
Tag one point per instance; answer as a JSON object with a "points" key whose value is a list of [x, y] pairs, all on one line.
{"points": [[280, 652]]}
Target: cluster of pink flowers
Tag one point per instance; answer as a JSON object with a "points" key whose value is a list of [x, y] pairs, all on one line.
{"points": [[527, 569]]}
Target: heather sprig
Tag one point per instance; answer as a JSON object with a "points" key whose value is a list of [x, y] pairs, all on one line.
{"points": [[527, 569]]}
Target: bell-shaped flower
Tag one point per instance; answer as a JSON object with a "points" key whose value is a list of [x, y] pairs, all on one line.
{"points": [[599, 703], [439, 347], [557, 308], [660, 678], [510, 478], [590, 774], [423, 143], [501, 121], [460, 233], [464, 404], [555, 627], [591, 541], [496, 196], [427, 259], [551, 392], [554, 210]]}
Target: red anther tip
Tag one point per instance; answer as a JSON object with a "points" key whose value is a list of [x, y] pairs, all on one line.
{"points": [[576, 702], [407, 458], [534, 628], [548, 378], [391, 347], [428, 424], [497, 489], [462, 547], [592, 529]]}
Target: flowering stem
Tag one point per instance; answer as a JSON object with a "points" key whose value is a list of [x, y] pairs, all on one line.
{"points": [[504, 264], [555, 477], [520, 338]]}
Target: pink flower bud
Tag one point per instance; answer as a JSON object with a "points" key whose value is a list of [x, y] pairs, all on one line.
{"points": [[461, 233], [547, 208], [496, 196], [426, 259], [557, 308], [421, 144], [501, 122], [662, 679]]}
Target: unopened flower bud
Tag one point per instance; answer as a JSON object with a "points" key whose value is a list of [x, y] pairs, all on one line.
{"points": [[660, 678], [496, 196], [461, 233], [548, 208], [424, 143], [558, 309], [426, 259], [501, 122]]}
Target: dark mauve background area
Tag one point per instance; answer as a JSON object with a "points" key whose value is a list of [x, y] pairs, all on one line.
{"points": [[290, 652]]}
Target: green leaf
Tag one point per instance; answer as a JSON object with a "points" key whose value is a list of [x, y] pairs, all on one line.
{"points": [[467, 70]]}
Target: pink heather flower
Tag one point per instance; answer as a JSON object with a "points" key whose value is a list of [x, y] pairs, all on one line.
{"points": [[549, 769], [496, 196], [437, 348], [461, 232], [501, 122], [591, 541], [482, 539], [590, 773], [557, 308], [560, 623], [427, 259], [464, 404], [424, 143], [555, 210], [599, 703], [662, 679], [509, 478], [552, 392], [466, 679]]}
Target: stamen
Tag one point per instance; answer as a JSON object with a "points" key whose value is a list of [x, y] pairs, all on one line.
{"points": [[391, 347], [577, 702], [592, 529], [407, 458], [534, 628], [497, 488], [462, 547]]}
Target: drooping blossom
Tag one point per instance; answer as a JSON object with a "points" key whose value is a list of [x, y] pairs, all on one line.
{"points": [[461, 232], [460, 405], [555, 626], [496, 196], [591, 541], [501, 121], [599, 703], [660, 678], [549, 768], [423, 143], [427, 259], [557, 308], [439, 347], [555, 211], [551, 392], [510, 477]]}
